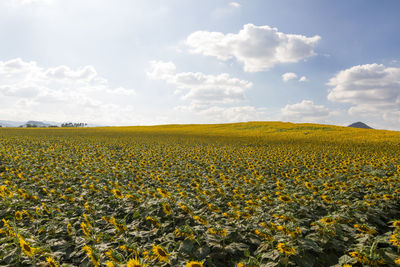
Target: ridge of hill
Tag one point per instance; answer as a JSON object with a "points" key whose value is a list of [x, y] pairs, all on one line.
{"points": [[360, 125]]}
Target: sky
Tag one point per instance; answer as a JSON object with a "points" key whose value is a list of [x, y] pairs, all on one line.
{"points": [[131, 62]]}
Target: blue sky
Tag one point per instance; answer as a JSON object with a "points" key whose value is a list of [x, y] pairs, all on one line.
{"points": [[128, 62]]}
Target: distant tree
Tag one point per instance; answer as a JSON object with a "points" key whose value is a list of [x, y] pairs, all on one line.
{"points": [[72, 124]]}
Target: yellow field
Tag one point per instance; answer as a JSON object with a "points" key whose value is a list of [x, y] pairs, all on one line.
{"points": [[246, 194]]}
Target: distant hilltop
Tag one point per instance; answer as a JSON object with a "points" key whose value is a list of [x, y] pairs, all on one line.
{"points": [[37, 124], [359, 124], [42, 124]]}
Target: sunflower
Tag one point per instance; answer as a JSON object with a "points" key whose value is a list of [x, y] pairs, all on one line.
{"points": [[85, 229], [166, 208], [194, 264], [365, 229], [395, 239], [327, 199], [388, 197], [369, 203], [285, 199], [309, 185], [87, 207], [29, 215], [280, 185], [185, 233], [397, 261], [87, 249], [109, 254], [90, 254], [218, 232], [10, 231], [134, 263], [396, 223], [162, 192], [285, 249], [201, 220], [38, 211], [87, 220], [161, 254], [18, 215], [185, 208], [112, 221], [328, 221], [263, 235], [45, 208], [213, 208], [51, 262], [329, 186], [25, 247], [117, 193], [69, 229], [153, 221], [358, 256]]}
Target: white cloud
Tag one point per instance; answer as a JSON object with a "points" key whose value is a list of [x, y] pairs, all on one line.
{"points": [[291, 76], [212, 98], [235, 4], [233, 114], [303, 79], [161, 70], [29, 91], [17, 3], [259, 48], [371, 89], [223, 114], [199, 88], [288, 76], [393, 117], [305, 111], [371, 84]]}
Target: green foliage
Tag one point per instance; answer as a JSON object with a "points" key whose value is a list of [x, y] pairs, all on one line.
{"points": [[256, 194]]}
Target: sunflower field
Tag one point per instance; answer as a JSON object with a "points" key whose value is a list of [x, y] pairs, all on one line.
{"points": [[245, 194]]}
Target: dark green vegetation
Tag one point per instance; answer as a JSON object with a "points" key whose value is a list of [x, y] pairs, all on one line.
{"points": [[267, 194]]}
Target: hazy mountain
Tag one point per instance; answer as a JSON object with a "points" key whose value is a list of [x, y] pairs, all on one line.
{"points": [[4, 123], [10, 123], [36, 124], [24, 124], [359, 124]]}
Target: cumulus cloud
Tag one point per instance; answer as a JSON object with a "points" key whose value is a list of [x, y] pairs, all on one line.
{"points": [[234, 4], [234, 114], [222, 114], [291, 76], [371, 89], [303, 79], [214, 98], [305, 111], [199, 88], [259, 48], [161, 70], [288, 76], [29, 91]]}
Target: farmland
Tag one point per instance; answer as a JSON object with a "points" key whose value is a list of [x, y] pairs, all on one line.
{"points": [[246, 194]]}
